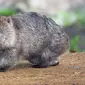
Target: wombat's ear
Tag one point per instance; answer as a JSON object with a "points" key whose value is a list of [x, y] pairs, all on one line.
{"points": [[9, 19]]}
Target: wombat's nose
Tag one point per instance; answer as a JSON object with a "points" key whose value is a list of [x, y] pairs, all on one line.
{"points": [[4, 69]]}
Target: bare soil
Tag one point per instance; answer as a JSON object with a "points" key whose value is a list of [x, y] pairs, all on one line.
{"points": [[70, 71]]}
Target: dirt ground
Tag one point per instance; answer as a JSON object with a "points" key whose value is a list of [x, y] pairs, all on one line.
{"points": [[70, 71]]}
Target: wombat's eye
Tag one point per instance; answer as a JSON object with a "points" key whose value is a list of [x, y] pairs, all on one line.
{"points": [[8, 20]]}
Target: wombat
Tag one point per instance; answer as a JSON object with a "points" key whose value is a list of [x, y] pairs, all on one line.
{"points": [[34, 36]]}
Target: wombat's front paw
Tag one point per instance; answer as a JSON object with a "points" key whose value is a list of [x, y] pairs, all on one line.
{"points": [[4, 68], [55, 64]]}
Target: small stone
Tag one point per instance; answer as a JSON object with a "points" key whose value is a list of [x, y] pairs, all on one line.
{"points": [[76, 67]]}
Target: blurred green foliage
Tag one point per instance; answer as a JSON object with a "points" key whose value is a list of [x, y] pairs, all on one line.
{"points": [[7, 12], [67, 19], [80, 18], [74, 44]]}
